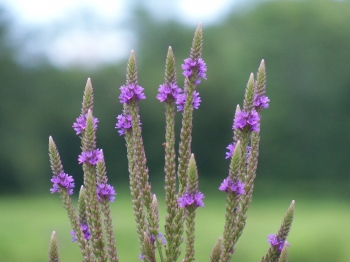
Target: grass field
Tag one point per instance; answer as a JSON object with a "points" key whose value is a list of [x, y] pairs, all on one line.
{"points": [[320, 231]]}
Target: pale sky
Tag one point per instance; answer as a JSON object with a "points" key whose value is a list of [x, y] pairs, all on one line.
{"points": [[101, 43]]}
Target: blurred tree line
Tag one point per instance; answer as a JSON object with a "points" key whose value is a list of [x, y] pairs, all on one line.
{"points": [[304, 134]]}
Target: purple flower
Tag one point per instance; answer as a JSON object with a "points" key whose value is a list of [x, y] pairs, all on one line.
{"points": [[130, 91], [229, 186], [238, 188], [162, 239], [86, 232], [197, 67], [80, 124], [160, 236], [191, 200], [61, 181], [251, 120], [274, 241], [181, 101], [168, 92], [225, 185], [261, 101], [92, 157], [141, 257], [153, 239], [231, 148], [105, 191], [123, 123]]}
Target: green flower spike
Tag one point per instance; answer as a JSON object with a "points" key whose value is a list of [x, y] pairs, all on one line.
{"points": [[88, 98], [186, 140], [284, 254], [186, 130], [190, 212], [53, 249], [273, 254], [215, 254], [93, 210], [261, 79], [82, 206], [170, 165]]}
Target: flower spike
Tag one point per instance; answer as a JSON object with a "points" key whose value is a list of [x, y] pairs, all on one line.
{"points": [[53, 249]]}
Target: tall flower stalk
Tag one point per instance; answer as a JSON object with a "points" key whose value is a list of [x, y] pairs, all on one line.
{"points": [[168, 93], [194, 68]]}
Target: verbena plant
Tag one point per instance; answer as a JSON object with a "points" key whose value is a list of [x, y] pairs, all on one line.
{"points": [[92, 224]]}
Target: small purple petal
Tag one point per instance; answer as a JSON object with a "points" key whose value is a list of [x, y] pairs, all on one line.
{"points": [[152, 239], [225, 185], [231, 149], [162, 239], [80, 125], [272, 239], [74, 236]]}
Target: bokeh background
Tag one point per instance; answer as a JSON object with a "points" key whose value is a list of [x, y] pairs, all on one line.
{"points": [[304, 153]]}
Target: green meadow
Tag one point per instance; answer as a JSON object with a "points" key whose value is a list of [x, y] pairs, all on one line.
{"points": [[320, 231]]}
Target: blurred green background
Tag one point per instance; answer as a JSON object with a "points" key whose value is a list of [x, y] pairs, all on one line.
{"points": [[305, 137]]}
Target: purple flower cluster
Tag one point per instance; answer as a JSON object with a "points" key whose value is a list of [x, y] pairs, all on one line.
{"points": [[231, 148], [105, 191], [181, 101], [86, 231], [197, 67], [166, 92], [274, 241], [250, 120], [235, 187], [123, 123], [261, 101], [131, 91], [80, 124], [191, 200], [91, 157], [61, 181]]}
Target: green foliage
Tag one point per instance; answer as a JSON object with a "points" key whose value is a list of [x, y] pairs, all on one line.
{"points": [[305, 138]]}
